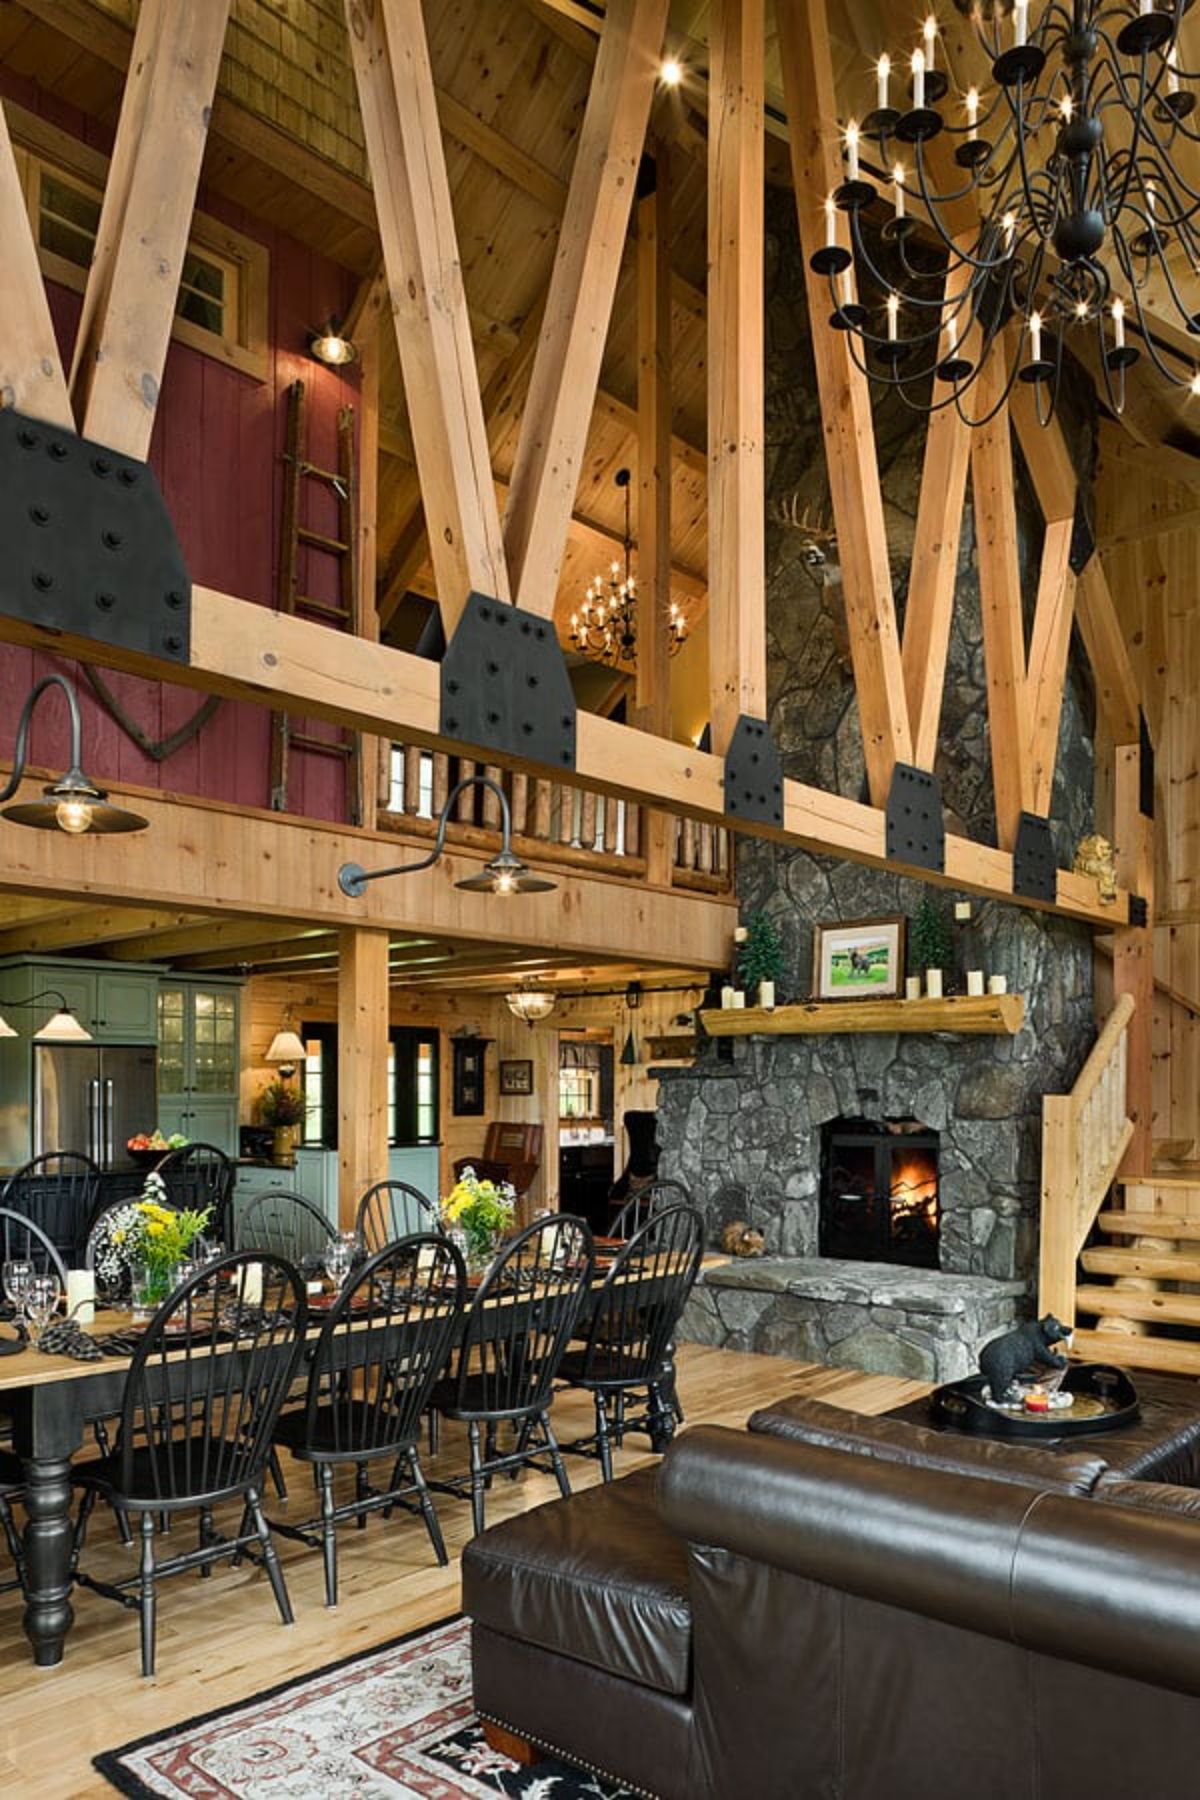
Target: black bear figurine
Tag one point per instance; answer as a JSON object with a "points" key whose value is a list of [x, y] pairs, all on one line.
{"points": [[1025, 1347]]}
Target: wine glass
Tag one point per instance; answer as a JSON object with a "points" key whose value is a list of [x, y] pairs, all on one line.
{"points": [[18, 1273], [41, 1301], [339, 1257]]}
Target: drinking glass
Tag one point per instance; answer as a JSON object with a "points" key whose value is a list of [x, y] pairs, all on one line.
{"points": [[18, 1273], [41, 1300], [339, 1257]]}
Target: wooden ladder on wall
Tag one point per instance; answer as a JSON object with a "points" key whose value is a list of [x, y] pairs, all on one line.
{"points": [[298, 541]]}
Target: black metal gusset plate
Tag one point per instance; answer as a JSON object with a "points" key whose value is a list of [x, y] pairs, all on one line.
{"points": [[753, 774], [1145, 768], [916, 832], [89, 547], [1083, 538], [1139, 910], [505, 684], [1035, 870]]}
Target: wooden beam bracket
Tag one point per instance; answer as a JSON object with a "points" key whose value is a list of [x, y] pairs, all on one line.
{"points": [[916, 830], [1035, 872], [88, 542], [1083, 538], [753, 773], [505, 684]]}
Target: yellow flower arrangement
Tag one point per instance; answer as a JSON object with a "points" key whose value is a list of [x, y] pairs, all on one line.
{"points": [[481, 1210]]}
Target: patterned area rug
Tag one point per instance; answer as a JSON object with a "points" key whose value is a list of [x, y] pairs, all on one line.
{"points": [[383, 1725]]}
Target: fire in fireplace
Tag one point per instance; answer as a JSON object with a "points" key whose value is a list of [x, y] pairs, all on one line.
{"points": [[879, 1192]]}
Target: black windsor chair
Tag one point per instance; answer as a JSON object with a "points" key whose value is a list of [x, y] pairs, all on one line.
{"points": [[392, 1330], [200, 1175], [392, 1210], [287, 1225], [60, 1192], [201, 1399], [22, 1238], [627, 1350], [644, 1203], [517, 1332]]}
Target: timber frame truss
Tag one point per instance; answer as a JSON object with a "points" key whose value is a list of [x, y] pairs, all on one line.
{"points": [[243, 650]]}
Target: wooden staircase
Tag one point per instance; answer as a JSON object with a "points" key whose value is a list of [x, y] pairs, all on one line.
{"points": [[1148, 1277]]}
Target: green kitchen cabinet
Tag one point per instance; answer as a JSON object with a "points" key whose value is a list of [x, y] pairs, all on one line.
{"points": [[199, 1060]]}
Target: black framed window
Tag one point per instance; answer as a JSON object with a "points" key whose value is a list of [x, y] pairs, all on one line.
{"points": [[413, 1086]]}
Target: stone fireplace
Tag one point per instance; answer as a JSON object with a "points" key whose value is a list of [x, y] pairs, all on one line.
{"points": [[746, 1129]]}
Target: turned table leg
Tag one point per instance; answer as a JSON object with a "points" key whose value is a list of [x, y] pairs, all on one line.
{"points": [[48, 1610]]}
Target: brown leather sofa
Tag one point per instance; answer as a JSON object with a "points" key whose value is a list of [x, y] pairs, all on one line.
{"points": [[827, 1607]]}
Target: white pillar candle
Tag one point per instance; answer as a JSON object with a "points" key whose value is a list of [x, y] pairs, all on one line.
{"points": [[933, 983], [726, 998], [766, 995], [975, 982], [918, 77], [252, 1284], [912, 987], [898, 189], [883, 69], [997, 984], [962, 912], [739, 998], [852, 149], [81, 1296]]}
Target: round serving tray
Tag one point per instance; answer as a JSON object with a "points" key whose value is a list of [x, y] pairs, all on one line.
{"points": [[959, 1404]]}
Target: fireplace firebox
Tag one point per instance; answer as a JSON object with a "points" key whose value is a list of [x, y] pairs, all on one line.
{"points": [[879, 1192]]}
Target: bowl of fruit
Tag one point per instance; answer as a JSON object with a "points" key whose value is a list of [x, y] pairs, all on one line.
{"points": [[147, 1149]]}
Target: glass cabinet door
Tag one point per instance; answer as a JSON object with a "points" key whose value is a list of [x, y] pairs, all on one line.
{"points": [[172, 1042], [214, 1041]]}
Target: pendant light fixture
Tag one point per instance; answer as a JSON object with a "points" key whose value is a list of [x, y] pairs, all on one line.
{"points": [[62, 1027], [72, 803], [504, 874], [630, 1054], [530, 1004]]}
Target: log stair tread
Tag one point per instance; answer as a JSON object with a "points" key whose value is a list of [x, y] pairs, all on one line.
{"points": [[1158, 1265], [1151, 1224], [1134, 1303], [1168, 1354]]}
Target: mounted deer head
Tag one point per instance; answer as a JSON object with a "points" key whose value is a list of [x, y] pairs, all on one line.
{"points": [[819, 537]]}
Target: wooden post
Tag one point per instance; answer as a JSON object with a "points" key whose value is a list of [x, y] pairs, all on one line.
{"points": [[737, 655], [31, 374], [854, 485], [1133, 956], [362, 1002], [652, 701], [374, 751]]}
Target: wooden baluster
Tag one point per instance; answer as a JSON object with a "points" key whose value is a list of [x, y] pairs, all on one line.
{"points": [[688, 855], [465, 809], [612, 822], [587, 821], [491, 806], [441, 781], [520, 805], [633, 827], [704, 846], [412, 780], [566, 815], [541, 812]]}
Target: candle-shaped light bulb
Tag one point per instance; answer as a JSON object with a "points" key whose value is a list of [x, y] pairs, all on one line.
{"points": [[1151, 197], [972, 114], [614, 569], [893, 314], [898, 188], [951, 334], [1035, 336], [830, 222], [1195, 386], [852, 149], [1173, 69], [1020, 21], [1118, 319], [847, 286], [1009, 225], [883, 69], [1066, 107], [918, 79], [929, 33]]}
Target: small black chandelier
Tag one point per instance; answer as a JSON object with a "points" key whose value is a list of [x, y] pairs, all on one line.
{"points": [[1072, 165], [605, 627]]}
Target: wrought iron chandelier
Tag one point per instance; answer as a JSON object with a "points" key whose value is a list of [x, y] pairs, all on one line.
{"points": [[605, 627], [1073, 164]]}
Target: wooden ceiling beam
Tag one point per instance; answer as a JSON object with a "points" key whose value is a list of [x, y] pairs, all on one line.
{"points": [[145, 221], [652, 695], [31, 372], [226, 934], [1049, 650], [850, 453], [737, 625], [433, 333], [86, 927], [253, 653], [591, 241]]}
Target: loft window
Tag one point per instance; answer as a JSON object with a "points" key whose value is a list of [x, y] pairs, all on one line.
{"points": [[413, 1062], [221, 306], [577, 1093]]}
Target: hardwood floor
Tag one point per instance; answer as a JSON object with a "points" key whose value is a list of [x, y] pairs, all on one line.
{"points": [[220, 1640]]}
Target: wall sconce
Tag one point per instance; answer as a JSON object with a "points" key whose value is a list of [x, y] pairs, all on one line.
{"points": [[72, 803], [62, 1027], [504, 874], [328, 346]]}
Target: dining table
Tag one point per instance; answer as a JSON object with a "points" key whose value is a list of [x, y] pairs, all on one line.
{"points": [[52, 1399]]}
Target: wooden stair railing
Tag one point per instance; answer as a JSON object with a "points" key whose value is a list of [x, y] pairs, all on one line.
{"points": [[1084, 1136]]}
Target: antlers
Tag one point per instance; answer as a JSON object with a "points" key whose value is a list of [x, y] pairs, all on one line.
{"points": [[818, 536]]}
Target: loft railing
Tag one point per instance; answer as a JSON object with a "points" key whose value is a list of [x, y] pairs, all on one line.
{"points": [[1084, 1136], [552, 821]]}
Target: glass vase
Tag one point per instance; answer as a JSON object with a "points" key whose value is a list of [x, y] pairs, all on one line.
{"points": [[150, 1284]]}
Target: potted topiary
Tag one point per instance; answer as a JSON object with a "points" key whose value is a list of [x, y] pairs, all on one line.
{"points": [[760, 958], [282, 1108], [931, 945]]}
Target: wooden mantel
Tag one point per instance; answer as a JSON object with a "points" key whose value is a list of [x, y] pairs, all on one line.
{"points": [[994, 1015]]}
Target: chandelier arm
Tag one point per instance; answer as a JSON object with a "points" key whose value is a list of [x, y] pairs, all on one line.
{"points": [[19, 751]]}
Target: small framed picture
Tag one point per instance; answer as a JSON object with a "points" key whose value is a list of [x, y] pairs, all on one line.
{"points": [[859, 961], [516, 1077]]}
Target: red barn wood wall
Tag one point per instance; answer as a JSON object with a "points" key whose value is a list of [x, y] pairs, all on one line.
{"points": [[217, 450]]}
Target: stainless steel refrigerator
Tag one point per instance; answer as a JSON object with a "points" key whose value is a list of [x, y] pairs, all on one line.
{"points": [[93, 1099]]}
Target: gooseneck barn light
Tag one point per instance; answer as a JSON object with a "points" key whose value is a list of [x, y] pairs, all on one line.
{"points": [[504, 874], [72, 803]]}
